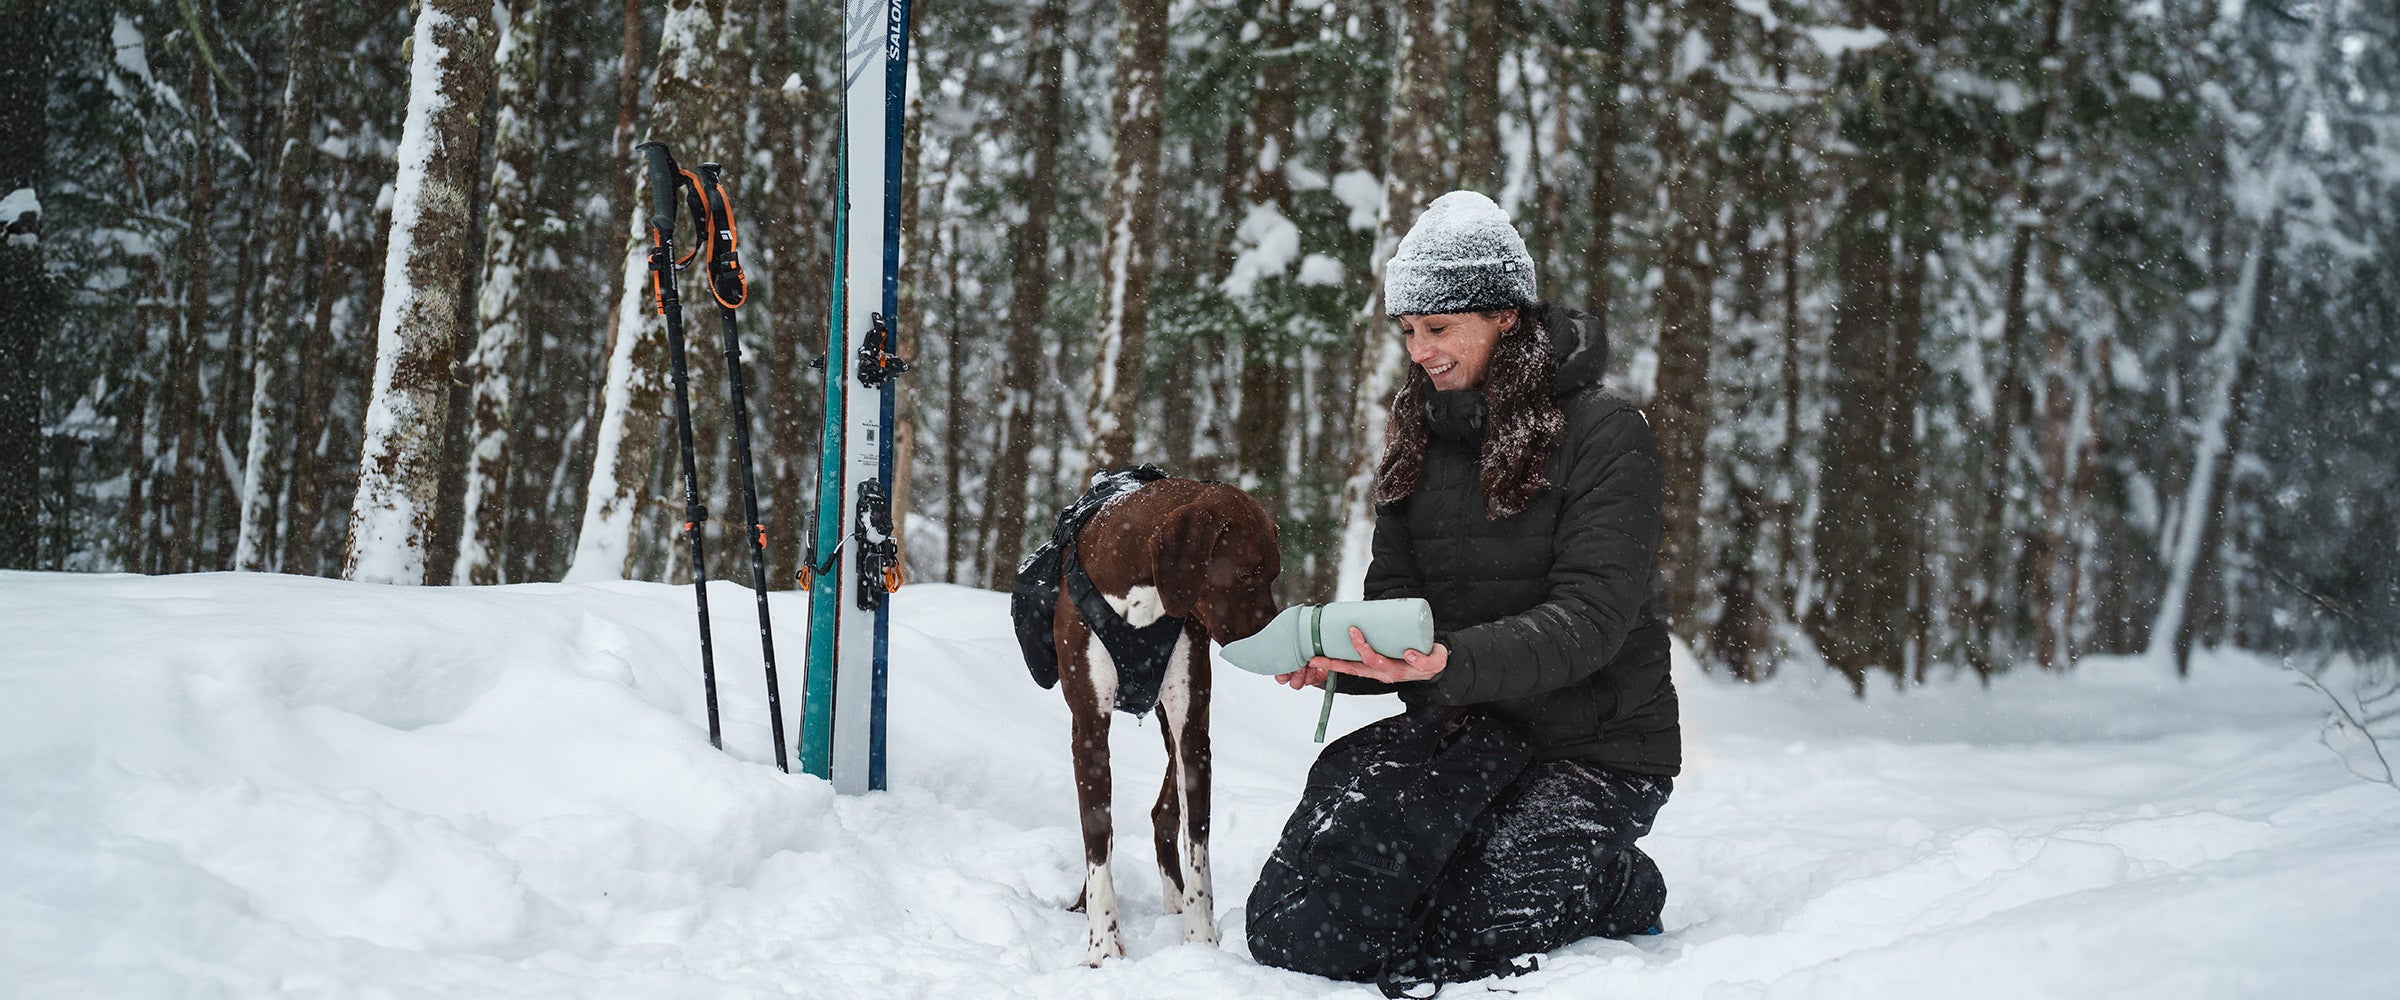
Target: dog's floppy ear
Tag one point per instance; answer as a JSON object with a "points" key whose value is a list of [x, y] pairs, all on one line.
{"points": [[1179, 554]]}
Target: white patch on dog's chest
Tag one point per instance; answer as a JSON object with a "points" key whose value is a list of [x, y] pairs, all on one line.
{"points": [[1139, 607]]}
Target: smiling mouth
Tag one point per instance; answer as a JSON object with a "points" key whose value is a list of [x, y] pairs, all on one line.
{"points": [[1443, 370]]}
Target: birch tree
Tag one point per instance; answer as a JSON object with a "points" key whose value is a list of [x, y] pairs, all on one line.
{"points": [[399, 465]]}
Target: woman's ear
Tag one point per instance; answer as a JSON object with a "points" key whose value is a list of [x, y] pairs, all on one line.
{"points": [[1179, 553]]}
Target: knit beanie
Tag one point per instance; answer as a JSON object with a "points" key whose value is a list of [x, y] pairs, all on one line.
{"points": [[1461, 256]]}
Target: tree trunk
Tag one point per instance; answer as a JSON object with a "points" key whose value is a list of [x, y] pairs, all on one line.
{"points": [[2170, 631], [1259, 426], [399, 474], [908, 319], [279, 323], [181, 493], [1029, 297], [24, 284], [789, 229], [955, 520], [625, 448], [1479, 134], [308, 511], [1857, 622], [1125, 252], [1679, 409], [508, 250], [1409, 174], [1605, 130]]}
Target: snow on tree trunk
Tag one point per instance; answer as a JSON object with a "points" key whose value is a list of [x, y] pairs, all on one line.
{"points": [[280, 320], [2263, 199], [500, 309], [633, 402], [391, 520], [1132, 225], [1409, 173]]}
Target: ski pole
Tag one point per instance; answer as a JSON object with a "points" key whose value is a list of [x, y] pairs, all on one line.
{"points": [[727, 285], [665, 178]]}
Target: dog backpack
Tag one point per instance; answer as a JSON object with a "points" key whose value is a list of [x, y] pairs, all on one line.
{"points": [[1346, 891], [1034, 597]]}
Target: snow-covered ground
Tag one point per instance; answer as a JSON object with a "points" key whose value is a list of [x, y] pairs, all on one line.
{"points": [[249, 786]]}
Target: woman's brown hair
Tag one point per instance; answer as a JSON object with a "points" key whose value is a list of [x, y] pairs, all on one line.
{"points": [[1521, 427]]}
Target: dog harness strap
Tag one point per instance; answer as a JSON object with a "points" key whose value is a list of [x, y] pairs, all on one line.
{"points": [[1141, 654]]}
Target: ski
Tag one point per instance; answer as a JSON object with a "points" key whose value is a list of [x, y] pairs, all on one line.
{"points": [[853, 556]]}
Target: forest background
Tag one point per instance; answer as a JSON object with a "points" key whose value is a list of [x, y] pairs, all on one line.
{"points": [[1974, 334]]}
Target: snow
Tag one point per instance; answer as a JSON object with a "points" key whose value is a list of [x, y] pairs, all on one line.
{"points": [[1269, 241], [1838, 42], [1319, 269], [1362, 193], [238, 785], [21, 205], [18, 203], [131, 50]]}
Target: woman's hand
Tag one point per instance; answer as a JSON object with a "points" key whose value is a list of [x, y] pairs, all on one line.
{"points": [[1410, 666], [1306, 677]]}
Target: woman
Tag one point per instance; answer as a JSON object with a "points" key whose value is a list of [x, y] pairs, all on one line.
{"points": [[1522, 502]]}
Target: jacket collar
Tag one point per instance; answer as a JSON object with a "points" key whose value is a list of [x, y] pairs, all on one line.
{"points": [[1455, 414]]}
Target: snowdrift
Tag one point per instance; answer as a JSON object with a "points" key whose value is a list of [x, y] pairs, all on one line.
{"points": [[242, 786]]}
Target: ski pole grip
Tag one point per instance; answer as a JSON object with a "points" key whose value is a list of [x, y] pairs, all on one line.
{"points": [[662, 187]]}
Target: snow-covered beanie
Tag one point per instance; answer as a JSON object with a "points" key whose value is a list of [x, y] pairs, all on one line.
{"points": [[1461, 256]]}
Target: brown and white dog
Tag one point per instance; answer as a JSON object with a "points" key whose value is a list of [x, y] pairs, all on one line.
{"points": [[1203, 552]]}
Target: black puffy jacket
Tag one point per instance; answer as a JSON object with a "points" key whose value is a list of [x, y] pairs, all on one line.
{"points": [[1555, 617]]}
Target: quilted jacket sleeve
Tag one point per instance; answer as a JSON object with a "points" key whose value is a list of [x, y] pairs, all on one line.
{"points": [[1605, 547]]}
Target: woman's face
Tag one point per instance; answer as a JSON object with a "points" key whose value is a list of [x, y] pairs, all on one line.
{"points": [[1455, 349]]}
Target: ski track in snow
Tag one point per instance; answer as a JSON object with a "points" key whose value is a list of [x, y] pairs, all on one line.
{"points": [[248, 785]]}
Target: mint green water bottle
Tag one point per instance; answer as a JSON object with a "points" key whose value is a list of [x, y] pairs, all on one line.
{"points": [[1391, 627]]}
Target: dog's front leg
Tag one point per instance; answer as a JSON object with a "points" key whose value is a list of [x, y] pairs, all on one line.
{"points": [[1184, 703]]}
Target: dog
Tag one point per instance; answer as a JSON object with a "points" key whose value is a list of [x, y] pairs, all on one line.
{"points": [[1153, 551]]}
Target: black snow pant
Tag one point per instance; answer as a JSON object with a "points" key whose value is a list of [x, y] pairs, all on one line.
{"points": [[1552, 861], [1407, 862]]}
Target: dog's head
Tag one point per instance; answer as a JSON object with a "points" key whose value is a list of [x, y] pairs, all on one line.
{"points": [[1216, 559]]}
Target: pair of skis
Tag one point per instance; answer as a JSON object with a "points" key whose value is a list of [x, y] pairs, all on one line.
{"points": [[853, 560], [849, 628], [719, 246]]}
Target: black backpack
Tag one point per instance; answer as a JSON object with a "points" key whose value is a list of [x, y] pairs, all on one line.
{"points": [[1346, 893]]}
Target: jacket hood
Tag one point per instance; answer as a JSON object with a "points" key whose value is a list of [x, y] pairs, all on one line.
{"points": [[1581, 350]]}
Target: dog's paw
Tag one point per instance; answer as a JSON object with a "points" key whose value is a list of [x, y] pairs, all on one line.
{"points": [[1201, 932], [1101, 946]]}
